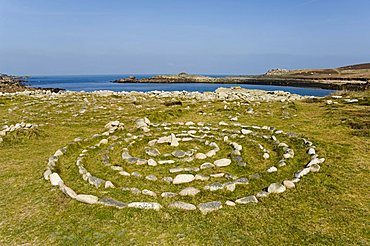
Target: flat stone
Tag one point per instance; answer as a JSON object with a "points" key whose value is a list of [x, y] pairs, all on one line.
{"points": [[116, 168], [152, 163], [145, 205], [189, 191], [47, 174], [302, 173], [272, 169], [211, 153], [162, 162], [222, 162], [182, 205], [148, 193], [112, 203], [89, 199], [230, 187], [151, 177], [152, 152], [266, 155], [230, 203], [207, 165], [200, 156], [262, 194], [315, 168], [166, 139], [124, 173], [247, 199], [68, 191], [179, 153], [276, 188], [288, 184], [217, 175], [167, 180], [108, 184], [209, 206], [136, 174], [201, 177], [55, 179], [183, 178], [214, 187], [255, 176], [168, 194], [176, 169], [245, 131], [241, 181], [174, 140]]}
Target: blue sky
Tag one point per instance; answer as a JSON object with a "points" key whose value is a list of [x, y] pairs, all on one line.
{"points": [[171, 36]]}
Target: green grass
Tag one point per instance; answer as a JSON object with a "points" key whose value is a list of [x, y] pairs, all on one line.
{"points": [[331, 207]]}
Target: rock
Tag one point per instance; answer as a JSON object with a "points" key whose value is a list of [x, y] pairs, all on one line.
{"points": [[262, 194], [182, 205], [166, 139], [200, 156], [266, 156], [55, 179], [311, 151], [103, 141], [255, 176], [201, 177], [174, 141], [89, 199], [148, 193], [247, 199], [217, 175], [141, 161], [68, 191], [207, 165], [230, 203], [108, 184], [152, 162], [276, 188], [222, 162], [152, 151], [136, 174], [302, 172], [145, 205], [176, 169], [209, 206], [168, 194], [179, 153], [167, 180], [245, 131], [183, 178], [47, 174], [211, 153], [272, 169], [241, 181], [124, 173], [162, 162], [288, 184], [151, 177], [315, 168], [189, 191], [116, 168], [230, 187], [140, 123], [214, 187], [111, 202]]}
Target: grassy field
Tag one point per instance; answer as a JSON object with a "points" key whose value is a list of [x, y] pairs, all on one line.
{"points": [[331, 207]]}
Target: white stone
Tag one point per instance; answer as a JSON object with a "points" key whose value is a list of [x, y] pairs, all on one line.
{"points": [[166, 162], [222, 162], [276, 188], [108, 184], [189, 191], [230, 203], [174, 140], [247, 199], [183, 178], [182, 205], [152, 162], [124, 173], [245, 131], [272, 169], [288, 184], [266, 155], [145, 205], [302, 173], [55, 179], [89, 199], [200, 156]]}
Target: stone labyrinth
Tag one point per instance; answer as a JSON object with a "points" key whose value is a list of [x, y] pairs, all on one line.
{"points": [[185, 166]]}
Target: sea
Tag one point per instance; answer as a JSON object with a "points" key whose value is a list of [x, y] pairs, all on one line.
{"points": [[90, 83]]}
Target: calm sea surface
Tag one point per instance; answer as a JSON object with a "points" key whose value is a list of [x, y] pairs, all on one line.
{"points": [[103, 82]]}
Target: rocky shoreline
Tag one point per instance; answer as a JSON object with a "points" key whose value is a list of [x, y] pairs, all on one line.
{"points": [[323, 83]]}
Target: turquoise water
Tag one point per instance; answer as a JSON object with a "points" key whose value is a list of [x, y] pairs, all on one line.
{"points": [[103, 82]]}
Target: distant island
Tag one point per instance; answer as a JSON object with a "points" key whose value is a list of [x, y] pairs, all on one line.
{"points": [[353, 77]]}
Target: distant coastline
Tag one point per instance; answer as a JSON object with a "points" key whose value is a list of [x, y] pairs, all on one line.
{"points": [[354, 77]]}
